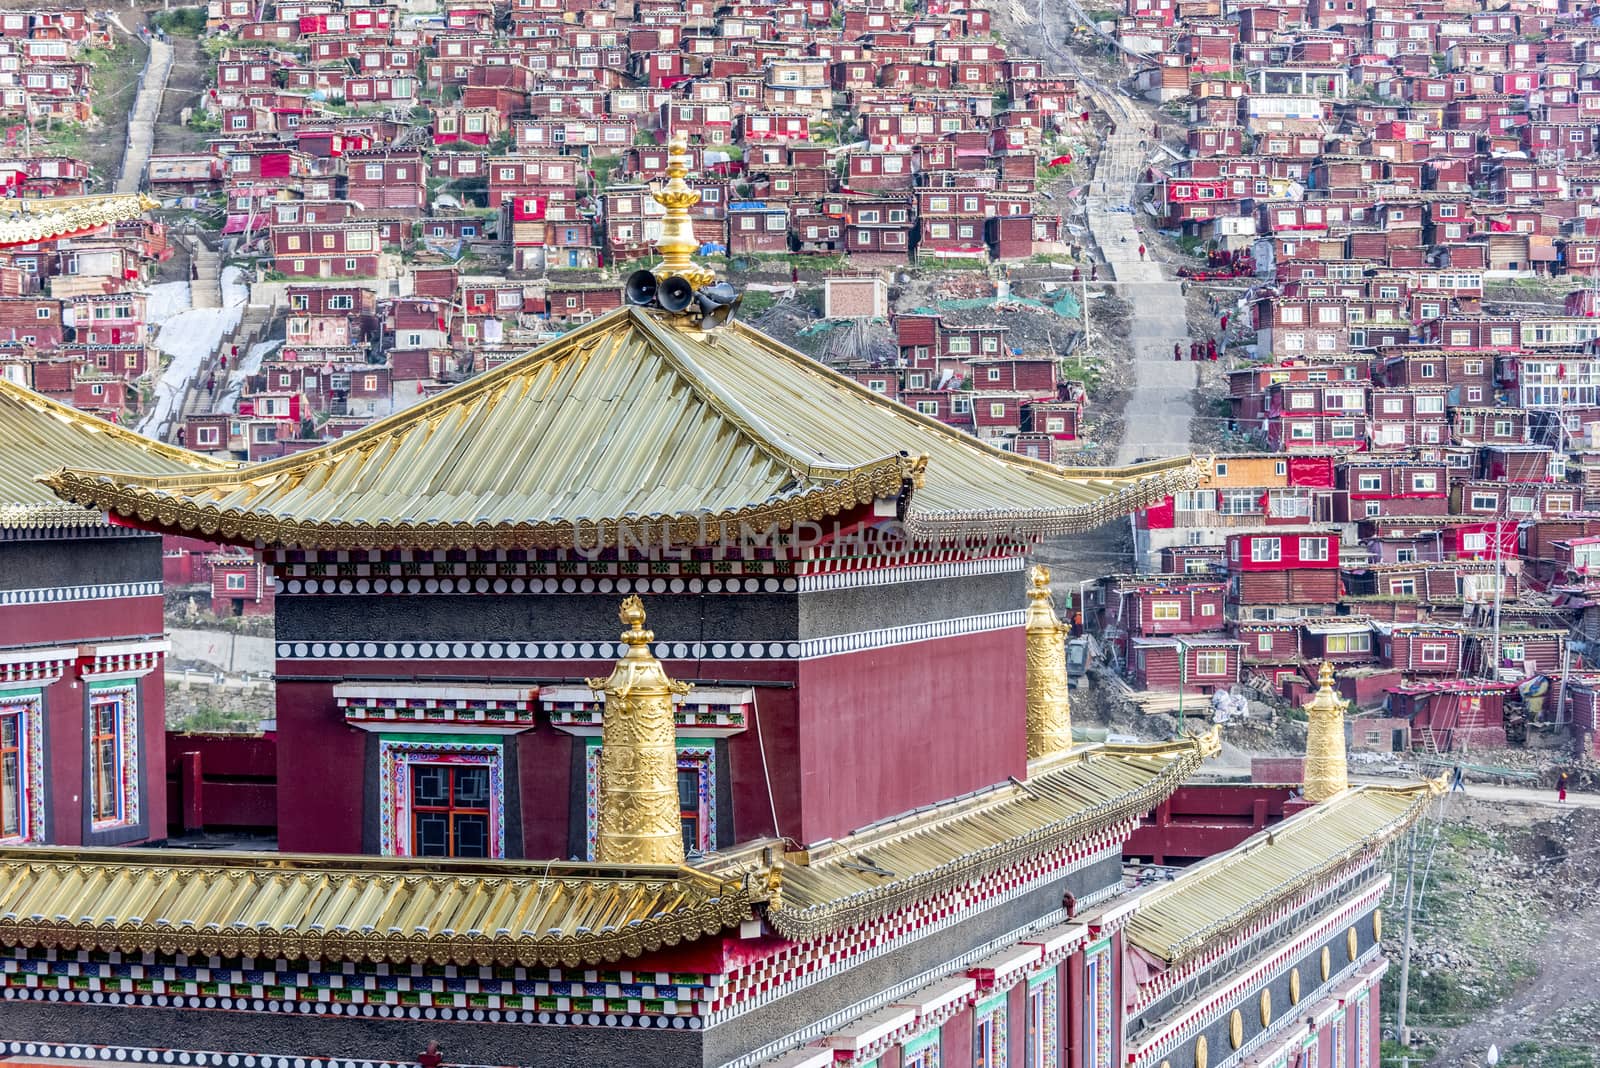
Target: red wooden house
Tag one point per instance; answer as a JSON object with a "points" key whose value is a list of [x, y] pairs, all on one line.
{"points": [[240, 586], [1199, 664]]}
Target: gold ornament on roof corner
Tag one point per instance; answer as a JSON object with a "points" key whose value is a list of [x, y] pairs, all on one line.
{"points": [[1049, 703], [677, 284], [638, 821], [1326, 774]]}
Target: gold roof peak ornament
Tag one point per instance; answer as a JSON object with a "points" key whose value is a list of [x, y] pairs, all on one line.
{"points": [[677, 284], [1326, 773], [1049, 703], [638, 820]]}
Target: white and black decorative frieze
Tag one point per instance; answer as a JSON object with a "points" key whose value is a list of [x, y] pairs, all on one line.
{"points": [[64, 594], [433, 577], [752, 649]]}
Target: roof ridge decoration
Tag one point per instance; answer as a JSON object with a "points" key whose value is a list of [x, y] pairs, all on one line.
{"points": [[1326, 773], [878, 870], [357, 908], [1049, 699], [638, 816]]}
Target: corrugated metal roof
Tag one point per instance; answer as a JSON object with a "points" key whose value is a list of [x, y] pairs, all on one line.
{"points": [[1218, 896], [39, 435], [356, 908], [876, 871], [633, 421]]}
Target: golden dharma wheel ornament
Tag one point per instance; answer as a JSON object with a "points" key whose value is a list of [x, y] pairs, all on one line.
{"points": [[1294, 986], [1266, 1001], [1200, 1052], [1327, 964], [1377, 925], [1351, 942], [1235, 1029]]}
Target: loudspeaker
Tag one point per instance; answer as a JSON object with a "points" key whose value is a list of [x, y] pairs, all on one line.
{"points": [[641, 288], [722, 312], [713, 297], [675, 294]]}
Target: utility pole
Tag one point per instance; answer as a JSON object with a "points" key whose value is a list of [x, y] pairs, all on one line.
{"points": [[1405, 953]]}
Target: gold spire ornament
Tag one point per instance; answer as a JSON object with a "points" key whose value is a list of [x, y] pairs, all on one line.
{"points": [[1326, 773], [678, 243], [638, 820], [1049, 706]]}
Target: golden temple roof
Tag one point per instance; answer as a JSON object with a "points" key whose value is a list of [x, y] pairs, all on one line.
{"points": [[356, 908], [24, 221], [1218, 896], [881, 869], [38, 435], [629, 421]]}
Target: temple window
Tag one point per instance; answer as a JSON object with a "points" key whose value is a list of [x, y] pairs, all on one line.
{"points": [[441, 797], [1098, 1005], [113, 756], [449, 810], [989, 1036], [21, 769], [922, 1051], [1042, 1048]]}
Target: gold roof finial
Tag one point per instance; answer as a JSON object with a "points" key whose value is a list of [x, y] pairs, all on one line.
{"points": [[1049, 706], [638, 818], [678, 243], [1326, 773]]}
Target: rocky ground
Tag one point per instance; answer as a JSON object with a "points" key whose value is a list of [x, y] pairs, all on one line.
{"points": [[1507, 921]]}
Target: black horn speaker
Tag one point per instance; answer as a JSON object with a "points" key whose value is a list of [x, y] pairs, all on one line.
{"points": [[713, 297], [675, 294], [641, 288]]}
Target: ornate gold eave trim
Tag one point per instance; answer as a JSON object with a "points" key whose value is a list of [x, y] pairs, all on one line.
{"points": [[694, 905], [817, 920], [882, 479], [26, 221]]}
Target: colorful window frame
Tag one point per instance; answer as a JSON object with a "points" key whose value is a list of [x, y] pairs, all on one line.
{"points": [[22, 778], [398, 756], [1098, 1004], [1336, 1041], [989, 1033], [113, 794], [694, 755], [1042, 1048], [1363, 1030], [921, 1051]]}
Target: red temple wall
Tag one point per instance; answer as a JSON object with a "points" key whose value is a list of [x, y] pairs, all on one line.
{"points": [[71, 622], [321, 770], [889, 730]]}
